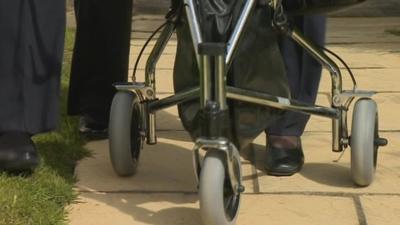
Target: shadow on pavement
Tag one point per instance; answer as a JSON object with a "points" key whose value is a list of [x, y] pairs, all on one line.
{"points": [[163, 191], [328, 174], [144, 209]]}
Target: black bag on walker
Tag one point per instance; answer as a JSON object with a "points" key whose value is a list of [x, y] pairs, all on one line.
{"points": [[257, 66]]}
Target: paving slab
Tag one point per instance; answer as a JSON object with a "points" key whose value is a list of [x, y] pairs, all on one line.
{"points": [[321, 174], [381, 209], [362, 30], [381, 80], [159, 173], [158, 170], [387, 113], [374, 8], [164, 82], [182, 209], [296, 210], [164, 189], [135, 209]]}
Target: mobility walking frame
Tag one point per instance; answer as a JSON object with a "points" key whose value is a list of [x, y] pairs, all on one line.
{"points": [[133, 119]]}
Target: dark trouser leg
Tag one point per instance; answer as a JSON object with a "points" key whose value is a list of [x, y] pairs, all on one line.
{"points": [[101, 56], [31, 49], [303, 73]]}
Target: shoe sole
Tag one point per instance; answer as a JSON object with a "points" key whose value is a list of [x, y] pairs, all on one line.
{"points": [[284, 174]]}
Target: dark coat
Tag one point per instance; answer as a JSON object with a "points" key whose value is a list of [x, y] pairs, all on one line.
{"points": [[101, 55], [31, 49]]}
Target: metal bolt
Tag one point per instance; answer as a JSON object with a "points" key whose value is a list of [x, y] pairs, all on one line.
{"points": [[345, 141], [336, 100], [241, 189], [381, 142], [149, 92]]}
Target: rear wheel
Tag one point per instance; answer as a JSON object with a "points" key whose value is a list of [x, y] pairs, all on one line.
{"points": [[124, 132], [364, 134]]}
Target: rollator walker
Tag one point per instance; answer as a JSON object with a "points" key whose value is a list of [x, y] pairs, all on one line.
{"points": [[133, 118]]}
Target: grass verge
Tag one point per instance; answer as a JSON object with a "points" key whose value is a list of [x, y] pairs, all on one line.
{"points": [[40, 199]]}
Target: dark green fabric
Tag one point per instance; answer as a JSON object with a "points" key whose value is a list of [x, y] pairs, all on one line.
{"points": [[257, 66]]}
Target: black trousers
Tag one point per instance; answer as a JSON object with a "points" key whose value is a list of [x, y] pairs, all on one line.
{"points": [[303, 72], [101, 55], [31, 49]]}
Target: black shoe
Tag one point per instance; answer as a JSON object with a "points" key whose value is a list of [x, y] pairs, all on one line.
{"points": [[283, 162], [17, 152], [92, 129]]}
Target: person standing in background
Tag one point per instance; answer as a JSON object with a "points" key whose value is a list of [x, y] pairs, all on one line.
{"points": [[100, 59], [31, 50]]}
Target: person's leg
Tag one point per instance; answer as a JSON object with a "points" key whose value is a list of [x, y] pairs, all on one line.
{"points": [[304, 74], [101, 58], [30, 66]]}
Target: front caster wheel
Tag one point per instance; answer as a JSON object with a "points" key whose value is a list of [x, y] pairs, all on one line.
{"points": [[219, 205], [124, 132], [364, 142]]}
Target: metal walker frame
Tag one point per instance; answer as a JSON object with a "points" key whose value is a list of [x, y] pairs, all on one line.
{"points": [[146, 92]]}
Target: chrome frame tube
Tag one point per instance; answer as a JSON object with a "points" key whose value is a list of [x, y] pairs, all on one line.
{"points": [[194, 26], [204, 64], [251, 97], [151, 129], [238, 31], [156, 53], [150, 79], [336, 77], [337, 134], [174, 99], [203, 61], [220, 82], [280, 103], [205, 81], [319, 55]]}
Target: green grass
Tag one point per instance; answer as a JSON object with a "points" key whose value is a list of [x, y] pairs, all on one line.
{"points": [[394, 32], [40, 198]]}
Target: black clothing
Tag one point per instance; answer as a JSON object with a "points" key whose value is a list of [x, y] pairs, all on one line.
{"points": [[31, 50], [101, 56], [303, 71], [283, 162], [17, 152], [257, 66]]}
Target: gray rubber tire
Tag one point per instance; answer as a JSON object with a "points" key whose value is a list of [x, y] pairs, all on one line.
{"points": [[363, 149], [124, 133], [213, 187]]}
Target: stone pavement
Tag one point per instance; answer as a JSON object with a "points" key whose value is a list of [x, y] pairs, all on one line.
{"points": [[164, 190]]}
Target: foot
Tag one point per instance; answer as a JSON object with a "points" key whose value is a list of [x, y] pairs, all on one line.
{"points": [[284, 156], [92, 129], [17, 152]]}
